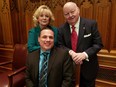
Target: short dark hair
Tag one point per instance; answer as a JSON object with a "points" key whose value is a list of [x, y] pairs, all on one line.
{"points": [[45, 28]]}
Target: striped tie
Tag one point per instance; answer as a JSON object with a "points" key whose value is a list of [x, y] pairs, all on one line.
{"points": [[43, 74]]}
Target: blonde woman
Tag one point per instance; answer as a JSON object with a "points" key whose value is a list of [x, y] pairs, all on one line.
{"points": [[41, 18]]}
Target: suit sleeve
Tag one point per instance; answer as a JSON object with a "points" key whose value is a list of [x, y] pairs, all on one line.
{"points": [[67, 71], [29, 82], [55, 35], [61, 40], [97, 41]]}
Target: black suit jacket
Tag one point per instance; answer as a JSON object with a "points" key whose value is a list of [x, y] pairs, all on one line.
{"points": [[60, 69], [89, 40]]}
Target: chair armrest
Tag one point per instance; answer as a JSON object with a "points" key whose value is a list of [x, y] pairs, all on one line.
{"points": [[10, 76], [4, 63], [17, 72]]}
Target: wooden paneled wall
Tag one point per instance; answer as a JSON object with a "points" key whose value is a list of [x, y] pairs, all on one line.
{"points": [[16, 20]]}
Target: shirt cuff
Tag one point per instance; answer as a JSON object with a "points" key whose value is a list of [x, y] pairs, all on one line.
{"points": [[87, 59]]}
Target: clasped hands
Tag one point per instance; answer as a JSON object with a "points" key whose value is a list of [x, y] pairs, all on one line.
{"points": [[77, 57]]}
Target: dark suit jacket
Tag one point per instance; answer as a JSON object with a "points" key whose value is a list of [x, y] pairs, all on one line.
{"points": [[60, 69], [89, 40]]}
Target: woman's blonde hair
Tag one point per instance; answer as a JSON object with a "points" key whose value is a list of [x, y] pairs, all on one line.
{"points": [[39, 11]]}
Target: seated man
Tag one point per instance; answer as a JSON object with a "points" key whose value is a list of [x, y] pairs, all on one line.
{"points": [[49, 66]]}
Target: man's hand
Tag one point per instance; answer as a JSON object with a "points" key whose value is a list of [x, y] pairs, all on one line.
{"points": [[77, 57]]}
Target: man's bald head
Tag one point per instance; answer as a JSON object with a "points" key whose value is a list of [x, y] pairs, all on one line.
{"points": [[69, 4], [71, 12]]}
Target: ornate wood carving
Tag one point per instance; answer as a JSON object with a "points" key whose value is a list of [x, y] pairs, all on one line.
{"points": [[86, 9], [102, 15], [113, 28], [5, 8], [6, 20], [14, 5], [29, 6]]}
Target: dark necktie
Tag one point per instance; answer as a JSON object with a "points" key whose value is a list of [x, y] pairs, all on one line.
{"points": [[43, 74], [74, 38]]}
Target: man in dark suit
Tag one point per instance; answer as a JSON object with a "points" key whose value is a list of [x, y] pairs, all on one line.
{"points": [[59, 65], [88, 43]]}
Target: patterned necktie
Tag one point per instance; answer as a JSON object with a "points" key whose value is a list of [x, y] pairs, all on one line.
{"points": [[43, 74], [74, 38]]}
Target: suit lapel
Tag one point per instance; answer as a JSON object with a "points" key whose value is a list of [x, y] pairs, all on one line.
{"points": [[36, 63], [81, 31], [67, 34], [51, 59]]}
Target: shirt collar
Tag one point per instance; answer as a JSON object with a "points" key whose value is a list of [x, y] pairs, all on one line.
{"points": [[77, 24], [41, 51]]}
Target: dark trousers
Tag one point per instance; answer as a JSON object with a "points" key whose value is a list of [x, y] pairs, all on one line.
{"points": [[86, 83]]}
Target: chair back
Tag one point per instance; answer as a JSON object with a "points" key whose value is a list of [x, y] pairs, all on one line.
{"points": [[19, 56]]}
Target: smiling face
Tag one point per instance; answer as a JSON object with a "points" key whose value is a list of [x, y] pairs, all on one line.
{"points": [[46, 39], [71, 12], [43, 19]]}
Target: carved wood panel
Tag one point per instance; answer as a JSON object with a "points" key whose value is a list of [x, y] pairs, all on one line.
{"points": [[113, 28], [87, 9], [103, 16], [5, 22]]}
